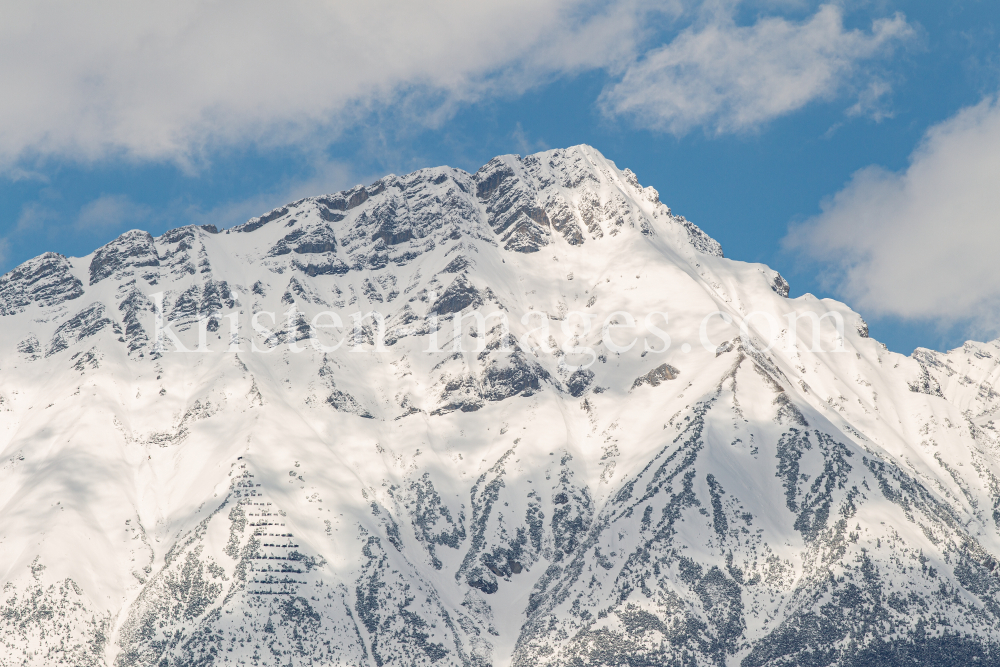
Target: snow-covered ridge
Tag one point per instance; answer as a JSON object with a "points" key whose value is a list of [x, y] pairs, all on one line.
{"points": [[480, 500]]}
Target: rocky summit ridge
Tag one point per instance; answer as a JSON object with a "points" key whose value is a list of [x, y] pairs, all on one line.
{"points": [[402, 490]]}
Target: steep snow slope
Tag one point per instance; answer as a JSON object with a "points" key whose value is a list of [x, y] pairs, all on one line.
{"points": [[464, 495]]}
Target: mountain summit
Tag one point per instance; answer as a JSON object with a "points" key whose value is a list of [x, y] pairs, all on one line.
{"points": [[526, 416]]}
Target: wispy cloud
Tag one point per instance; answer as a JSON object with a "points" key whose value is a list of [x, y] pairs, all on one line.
{"points": [[111, 212], [34, 218], [100, 220], [920, 243], [325, 177], [731, 78], [872, 101], [523, 143]]}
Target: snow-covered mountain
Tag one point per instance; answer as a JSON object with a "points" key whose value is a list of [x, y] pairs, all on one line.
{"points": [[294, 494]]}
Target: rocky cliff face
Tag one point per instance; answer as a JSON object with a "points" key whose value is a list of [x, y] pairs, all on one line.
{"points": [[411, 485]]}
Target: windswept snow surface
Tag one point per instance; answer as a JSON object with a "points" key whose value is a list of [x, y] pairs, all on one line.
{"points": [[480, 499]]}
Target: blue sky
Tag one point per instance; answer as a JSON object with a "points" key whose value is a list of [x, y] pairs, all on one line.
{"points": [[853, 146]]}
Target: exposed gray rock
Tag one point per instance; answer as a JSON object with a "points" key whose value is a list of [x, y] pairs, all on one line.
{"points": [[780, 285], [45, 280], [661, 373], [88, 322], [579, 382], [458, 296], [131, 250]]}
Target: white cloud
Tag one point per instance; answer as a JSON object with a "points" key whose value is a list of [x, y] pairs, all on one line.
{"points": [[922, 243], [110, 212], [173, 81], [735, 78], [168, 80]]}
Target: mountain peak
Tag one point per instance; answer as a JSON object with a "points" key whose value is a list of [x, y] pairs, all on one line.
{"points": [[517, 417]]}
